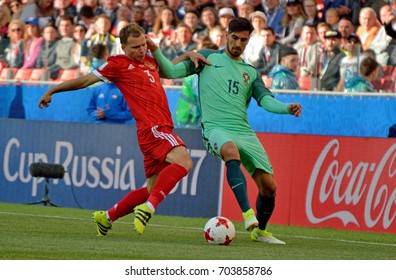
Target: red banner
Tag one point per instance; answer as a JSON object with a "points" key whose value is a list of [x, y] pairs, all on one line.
{"points": [[339, 182]]}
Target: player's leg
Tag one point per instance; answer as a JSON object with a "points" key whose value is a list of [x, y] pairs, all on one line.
{"points": [[174, 163], [265, 205], [220, 143], [179, 165]]}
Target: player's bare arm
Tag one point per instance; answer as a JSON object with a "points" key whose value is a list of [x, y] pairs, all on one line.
{"points": [[73, 84]]}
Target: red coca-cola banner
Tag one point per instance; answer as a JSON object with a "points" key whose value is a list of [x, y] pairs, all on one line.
{"points": [[338, 182]]}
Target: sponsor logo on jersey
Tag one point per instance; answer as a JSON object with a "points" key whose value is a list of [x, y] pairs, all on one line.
{"points": [[130, 67]]}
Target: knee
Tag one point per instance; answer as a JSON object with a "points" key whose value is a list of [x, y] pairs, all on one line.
{"points": [[266, 185], [229, 151], [187, 164]]}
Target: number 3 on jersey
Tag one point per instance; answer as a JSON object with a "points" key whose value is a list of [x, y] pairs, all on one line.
{"points": [[233, 87], [151, 77]]}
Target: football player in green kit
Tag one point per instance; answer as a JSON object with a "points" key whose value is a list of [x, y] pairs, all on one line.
{"points": [[225, 90]]}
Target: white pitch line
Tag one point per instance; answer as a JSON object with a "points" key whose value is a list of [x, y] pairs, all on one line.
{"points": [[200, 229]]}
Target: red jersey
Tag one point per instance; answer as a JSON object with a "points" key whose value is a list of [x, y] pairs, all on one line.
{"points": [[140, 84]]}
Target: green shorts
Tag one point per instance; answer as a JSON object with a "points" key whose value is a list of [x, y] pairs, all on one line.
{"points": [[253, 155]]}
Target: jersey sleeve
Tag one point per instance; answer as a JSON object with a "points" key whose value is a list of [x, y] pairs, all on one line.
{"points": [[182, 69], [108, 71], [258, 88]]}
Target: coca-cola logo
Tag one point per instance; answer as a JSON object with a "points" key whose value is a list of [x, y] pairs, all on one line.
{"points": [[340, 189]]}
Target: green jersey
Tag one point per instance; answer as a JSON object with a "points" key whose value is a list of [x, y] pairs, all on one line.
{"points": [[225, 90]]}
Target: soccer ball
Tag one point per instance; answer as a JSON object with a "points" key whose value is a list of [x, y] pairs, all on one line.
{"points": [[219, 231]]}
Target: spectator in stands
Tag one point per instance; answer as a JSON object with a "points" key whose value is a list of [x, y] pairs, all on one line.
{"points": [[47, 54], [98, 55], [138, 17], [231, 4], [356, 6], [110, 8], [127, 3], [79, 33], [225, 15], [44, 10], [143, 3], [107, 105], [330, 73], [363, 82], [189, 5], [373, 35], [182, 44], [275, 13], [269, 54], [292, 22], [385, 17], [218, 35], [32, 43], [311, 12], [16, 8], [202, 4], [208, 19], [257, 5], [256, 42], [352, 61], [332, 18], [191, 18], [284, 74], [321, 29], [177, 6], [14, 51], [149, 18], [64, 48], [86, 16], [102, 36], [346, 28], [308, 49], [125, 13], [158, 5], [388, 19], [5, 19], [245, 10], [117, 45], [341, 6], [97, 9], [165, 23], [64, 8]]}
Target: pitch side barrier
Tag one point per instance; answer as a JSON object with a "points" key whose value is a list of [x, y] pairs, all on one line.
{"points": [[324, 113], [103, 163]]}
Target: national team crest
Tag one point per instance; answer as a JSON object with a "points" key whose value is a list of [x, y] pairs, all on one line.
{"points": [[149, 65], [246, 78]]}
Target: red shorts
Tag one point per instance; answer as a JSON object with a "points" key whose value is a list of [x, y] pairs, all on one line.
{"points": [[155, 144]]}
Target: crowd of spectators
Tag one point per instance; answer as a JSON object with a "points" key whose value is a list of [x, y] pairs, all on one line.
{"points": [[329, 38]]}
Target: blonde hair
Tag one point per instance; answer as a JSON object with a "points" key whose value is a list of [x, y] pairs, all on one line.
{"points": [[287, 18], [18, 22]]}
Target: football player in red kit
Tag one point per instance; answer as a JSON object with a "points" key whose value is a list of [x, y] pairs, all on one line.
{"points": [[166, 159]]}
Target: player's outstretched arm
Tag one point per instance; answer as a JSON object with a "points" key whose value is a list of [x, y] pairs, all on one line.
{"points": [[74, 84]]}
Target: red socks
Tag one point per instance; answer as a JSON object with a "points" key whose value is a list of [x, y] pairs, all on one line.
{"points": [[125, 206], [167, 179]]}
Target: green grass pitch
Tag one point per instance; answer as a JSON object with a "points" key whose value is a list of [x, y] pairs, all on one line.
{"points": [[50, 233]]}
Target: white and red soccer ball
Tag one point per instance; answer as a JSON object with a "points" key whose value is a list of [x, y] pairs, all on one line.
{"points": [[219, 231]]}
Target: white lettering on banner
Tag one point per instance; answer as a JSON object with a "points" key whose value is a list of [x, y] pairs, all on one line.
{"points": [[93, 172], [381, 198]]}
